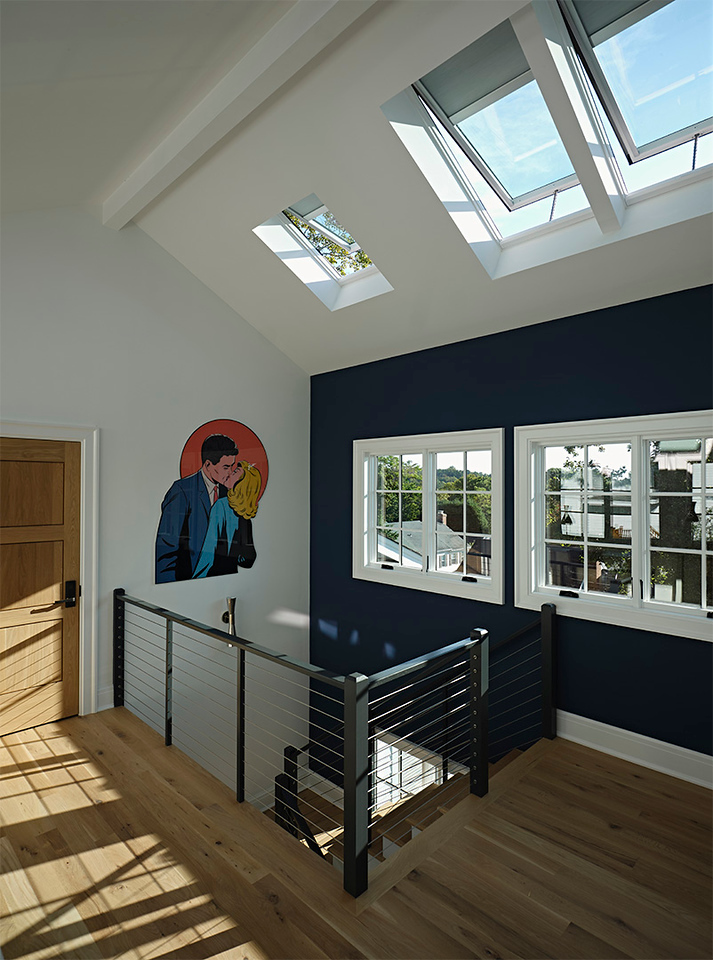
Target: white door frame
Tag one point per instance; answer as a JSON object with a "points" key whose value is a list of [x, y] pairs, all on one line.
{"points": [[88, 621]]}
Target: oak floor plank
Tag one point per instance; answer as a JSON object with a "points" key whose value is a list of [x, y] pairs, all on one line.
{"points": [[113, 845]]}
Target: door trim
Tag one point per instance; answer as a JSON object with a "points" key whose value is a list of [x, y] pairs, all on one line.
{"points": [[89, 546]]}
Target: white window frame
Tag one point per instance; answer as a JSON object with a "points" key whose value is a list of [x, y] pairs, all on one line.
{"points": [[634, 611], [485, 589]]}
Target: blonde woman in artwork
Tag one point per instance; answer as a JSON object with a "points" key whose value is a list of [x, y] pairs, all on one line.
{"points": [[229, 543]]}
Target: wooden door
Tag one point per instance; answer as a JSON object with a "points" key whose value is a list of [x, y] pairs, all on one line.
{"points": [[39, 553]]}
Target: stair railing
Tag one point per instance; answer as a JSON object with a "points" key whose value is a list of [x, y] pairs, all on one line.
{"points": [[238, 708]]}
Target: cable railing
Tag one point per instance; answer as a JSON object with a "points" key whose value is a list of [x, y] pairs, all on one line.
{"points": [[352, 766]]}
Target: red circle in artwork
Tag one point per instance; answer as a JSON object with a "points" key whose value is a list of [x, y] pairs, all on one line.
{"points": [[248, 443]]}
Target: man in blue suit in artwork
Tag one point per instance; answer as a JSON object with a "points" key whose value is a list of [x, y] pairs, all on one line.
{"points": [[185, 510]]}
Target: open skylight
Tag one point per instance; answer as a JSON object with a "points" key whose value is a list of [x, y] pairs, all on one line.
{"points": [[322, 253], [560, 114]]}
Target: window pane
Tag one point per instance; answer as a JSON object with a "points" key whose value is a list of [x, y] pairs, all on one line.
{"points": [[449, 510], [659, 69], [675, 522], [411, 507], [479, 470], [704, 471], [478, 556], [387, 473], [672, 464], [609, 571], [477, 513], [387, 508], [449, 470], [563, 468], [411, 472], [709, 581], [387, 547], [676, 577], [565, 566], [565, 516], [609, 466], [518, 140], [450, 550], [609, 518]]}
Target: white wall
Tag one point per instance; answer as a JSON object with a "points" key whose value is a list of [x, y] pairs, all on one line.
{"points": [[106, 329]]}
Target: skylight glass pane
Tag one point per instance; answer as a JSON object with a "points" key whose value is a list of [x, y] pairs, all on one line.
{"points": [[331, 223], [517, 139], [660, 69], [345, 263]]}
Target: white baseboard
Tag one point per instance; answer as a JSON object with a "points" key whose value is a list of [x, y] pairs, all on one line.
{"points": [[656, 754], [105, 699]]}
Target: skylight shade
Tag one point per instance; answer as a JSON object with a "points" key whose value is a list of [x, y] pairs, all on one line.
{"points": [[598, 14], [476, 72], [307, 208]]}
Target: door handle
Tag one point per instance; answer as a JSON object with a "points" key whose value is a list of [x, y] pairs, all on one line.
{"points": [[70, 598]]}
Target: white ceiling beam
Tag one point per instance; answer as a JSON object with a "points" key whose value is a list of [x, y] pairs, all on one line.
{"points": [[548, 47], [303, 32]]}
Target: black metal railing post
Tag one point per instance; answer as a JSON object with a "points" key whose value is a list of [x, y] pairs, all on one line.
{"points": [[240, 738], [478, 696], [549, 671], [356, 783], [168, 697], [118, 645]]}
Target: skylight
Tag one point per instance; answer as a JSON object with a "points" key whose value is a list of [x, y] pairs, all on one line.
{"points": [[331, 241], [651, 66], [316, 247], [486, 98]]}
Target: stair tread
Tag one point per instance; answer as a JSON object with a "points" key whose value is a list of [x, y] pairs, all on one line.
{"points": [[504, 761], [427, 805]]}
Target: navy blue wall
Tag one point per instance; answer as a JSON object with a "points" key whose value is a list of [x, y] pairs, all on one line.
{"points": [[648, 357]]}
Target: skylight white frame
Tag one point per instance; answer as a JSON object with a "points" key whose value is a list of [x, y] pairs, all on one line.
{"points": [[635, 612], [585, 49], [364, 567], [449, 124], [325, 231], [288, 243]]}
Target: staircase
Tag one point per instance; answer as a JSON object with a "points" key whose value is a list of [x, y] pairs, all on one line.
{"points": [[394, 824]]}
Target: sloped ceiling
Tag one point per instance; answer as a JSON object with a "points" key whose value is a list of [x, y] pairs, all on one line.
{"points": [[200, 120]]}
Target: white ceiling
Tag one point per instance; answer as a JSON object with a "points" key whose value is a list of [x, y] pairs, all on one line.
{"points": [[200, 119]]}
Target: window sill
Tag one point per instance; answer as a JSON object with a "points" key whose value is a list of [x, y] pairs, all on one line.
{"points": [[621, 612], [485, 590]]}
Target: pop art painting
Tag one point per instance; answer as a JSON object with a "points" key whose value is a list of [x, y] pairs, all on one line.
{"points": [[206, 525]]}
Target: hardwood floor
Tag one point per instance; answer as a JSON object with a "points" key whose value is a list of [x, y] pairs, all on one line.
{"points": [[113, 845]]}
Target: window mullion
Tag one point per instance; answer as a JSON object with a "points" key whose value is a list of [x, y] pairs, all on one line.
{"points": [[640, 513], [428, 508]]}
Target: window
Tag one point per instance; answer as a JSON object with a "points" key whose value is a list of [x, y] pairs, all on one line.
{"points": [[428, 513], [614, 521], [561, 122], [322, 254]]}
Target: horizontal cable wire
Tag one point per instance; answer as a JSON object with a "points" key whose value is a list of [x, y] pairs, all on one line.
{"points": [[310, 706], [144, 710], [222, 726], [441, 736], [516, 693], [253, 709], [200, 639], [399, 691], [227, 681], [495, 660], [143, 667], [494, 676], [498, 727], [141, 685], [440, 721], [135, 649], [533, 726], [373, 720], [279, 753], [284, 675], [137, 630], [151, 622], [405, 784], [517, 706], [224, 701], [228, 757]]}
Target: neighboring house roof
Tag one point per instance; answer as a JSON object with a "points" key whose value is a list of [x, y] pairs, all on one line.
{"points": [[448, 542]]}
